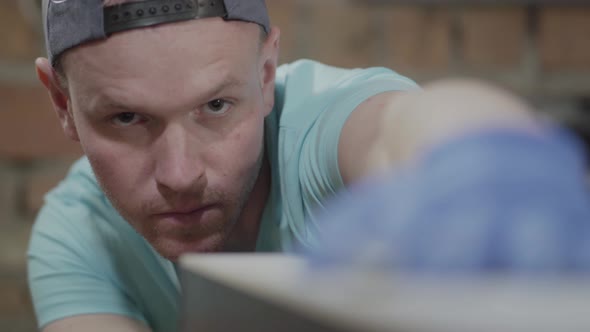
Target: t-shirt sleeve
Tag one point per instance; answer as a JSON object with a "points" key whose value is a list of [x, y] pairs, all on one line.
{"points": [[68, 264], [319, 173]]}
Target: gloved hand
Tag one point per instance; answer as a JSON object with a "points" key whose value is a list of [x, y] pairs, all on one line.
{"points": [[498, 200]]}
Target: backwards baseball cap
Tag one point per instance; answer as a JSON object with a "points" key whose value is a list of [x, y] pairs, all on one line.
{"points": [[69, 23]]}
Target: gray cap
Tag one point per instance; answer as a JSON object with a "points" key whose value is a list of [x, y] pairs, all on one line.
{"points": [[69, 23]]}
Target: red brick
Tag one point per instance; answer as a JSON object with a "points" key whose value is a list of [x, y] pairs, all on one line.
{"points": [[19, 324], [417, 39], [493, 37], [285, 15], [8, 195], [340, 33], [15, 299], [28, 125], [14, 240], [564, 38], [19, 39], [41, 180]]}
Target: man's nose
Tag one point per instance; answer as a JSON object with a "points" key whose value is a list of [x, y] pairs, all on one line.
{"points": [[179, 167]]}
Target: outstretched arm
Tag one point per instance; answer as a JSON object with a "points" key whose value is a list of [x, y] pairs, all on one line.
{"points": [[395, 128], [91, 323]]}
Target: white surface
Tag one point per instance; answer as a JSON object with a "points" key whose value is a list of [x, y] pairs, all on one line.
{"points": [[377, 301]]}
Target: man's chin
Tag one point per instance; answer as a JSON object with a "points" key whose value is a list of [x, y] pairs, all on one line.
{"points": [[173, 248]]}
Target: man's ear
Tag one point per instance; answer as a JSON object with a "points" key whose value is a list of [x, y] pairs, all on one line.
{"points": [[270, 58], [59, 97]]}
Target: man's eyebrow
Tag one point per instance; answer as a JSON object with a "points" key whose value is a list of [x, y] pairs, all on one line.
{"points": [[107, 104], [227, 83]]}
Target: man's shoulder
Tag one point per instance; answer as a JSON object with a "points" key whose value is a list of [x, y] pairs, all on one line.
{"points": [[311, 70], [313, 102], [78, 219], [310, 77], [304, 71], [305, 88], [308, 81], [81, 249], [77, 206], [79, 182]]}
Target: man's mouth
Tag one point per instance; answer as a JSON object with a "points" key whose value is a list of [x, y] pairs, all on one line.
{"points": [[185, 215]]}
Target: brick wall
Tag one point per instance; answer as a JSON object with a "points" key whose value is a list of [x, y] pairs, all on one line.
{"points": [[542, 52]]}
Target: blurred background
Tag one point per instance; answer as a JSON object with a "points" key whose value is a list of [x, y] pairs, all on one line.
{"points": [[539, 49]]}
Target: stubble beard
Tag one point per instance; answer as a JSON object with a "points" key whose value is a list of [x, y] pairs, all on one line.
{"points": [[239, 203]]}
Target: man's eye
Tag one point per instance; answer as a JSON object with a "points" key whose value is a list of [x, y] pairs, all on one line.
{"points": [[126, 119], [217, 106]]}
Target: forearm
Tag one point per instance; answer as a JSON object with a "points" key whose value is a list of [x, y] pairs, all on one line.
{"points": [[413, 123], [89, 323]]}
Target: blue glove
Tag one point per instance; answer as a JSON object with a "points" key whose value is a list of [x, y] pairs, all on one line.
{"points": [[499, 200]]}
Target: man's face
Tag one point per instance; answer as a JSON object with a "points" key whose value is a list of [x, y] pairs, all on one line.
{"points": [[171, 119]]}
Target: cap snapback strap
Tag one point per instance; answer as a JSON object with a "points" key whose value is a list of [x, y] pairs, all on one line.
{"points": [[133, 15]]}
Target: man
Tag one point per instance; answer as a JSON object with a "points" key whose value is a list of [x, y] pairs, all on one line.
{"points": [[195, 142]]}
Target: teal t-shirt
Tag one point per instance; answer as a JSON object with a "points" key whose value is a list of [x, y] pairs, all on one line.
{"points": [[84, 258]]}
